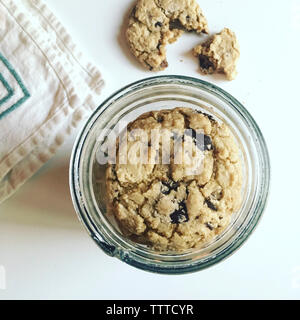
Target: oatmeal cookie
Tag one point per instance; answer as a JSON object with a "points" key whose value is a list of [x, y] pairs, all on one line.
{"points": [[155, 23], [219, 54], [186, 191]]}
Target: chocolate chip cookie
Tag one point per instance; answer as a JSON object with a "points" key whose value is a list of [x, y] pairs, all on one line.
{"points": [[155, 23], [219, 54], [188, 185]]}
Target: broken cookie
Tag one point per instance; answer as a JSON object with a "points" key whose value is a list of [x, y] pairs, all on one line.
{"points": [[155, 23], [219, 54]]}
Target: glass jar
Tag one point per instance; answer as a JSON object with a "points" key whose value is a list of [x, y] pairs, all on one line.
{"points": [[87, 177]]}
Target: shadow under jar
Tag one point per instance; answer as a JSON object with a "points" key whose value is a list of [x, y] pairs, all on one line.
{"points": [[88, 179]]}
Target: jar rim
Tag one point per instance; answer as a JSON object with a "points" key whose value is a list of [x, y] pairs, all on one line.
{"points": [[134, 258]]}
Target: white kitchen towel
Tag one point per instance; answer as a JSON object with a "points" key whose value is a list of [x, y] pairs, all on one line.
{"points": [[46, 88]]}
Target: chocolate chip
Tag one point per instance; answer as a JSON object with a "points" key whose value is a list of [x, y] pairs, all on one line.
{"points": [[159, 45], [211, 118], [209, 226], [160, 119], [169, 186], [176, 24], [190, 133], [158, 24], [202, 141], [217, 195], [133, 12], [207, 143], [211, 205], [180, 215], [205, 63]]}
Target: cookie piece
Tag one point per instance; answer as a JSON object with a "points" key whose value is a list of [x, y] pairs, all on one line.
{"points": [[155, 23], [182, 200], [219, 54]]}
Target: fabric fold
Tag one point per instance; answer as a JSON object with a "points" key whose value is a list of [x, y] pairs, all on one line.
{"points": [[47, 86]]}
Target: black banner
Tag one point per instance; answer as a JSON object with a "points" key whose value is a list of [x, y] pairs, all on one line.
{"points": [[153, 309]]}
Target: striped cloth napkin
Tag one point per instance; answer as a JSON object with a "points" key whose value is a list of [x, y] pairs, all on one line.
{"points": [[46, 88]]}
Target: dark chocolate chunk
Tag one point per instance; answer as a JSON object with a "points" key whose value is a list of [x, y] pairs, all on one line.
{"points": [[158, 24], [209, 226], [211, 118], [180, 215], [217, 195], [160, 119], [191, 133], [133, 12], [176, 24], [207, 143], [211, 205], [205, 63], [202, 141], [168, 186]]}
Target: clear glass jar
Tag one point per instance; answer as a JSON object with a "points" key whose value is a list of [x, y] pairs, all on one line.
{"points": [[87, 177]]}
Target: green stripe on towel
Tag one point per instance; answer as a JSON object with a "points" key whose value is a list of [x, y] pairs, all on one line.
{"points": [[9, 89]]}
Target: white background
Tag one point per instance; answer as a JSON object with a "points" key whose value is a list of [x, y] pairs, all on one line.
{"points": [[45, 252]]}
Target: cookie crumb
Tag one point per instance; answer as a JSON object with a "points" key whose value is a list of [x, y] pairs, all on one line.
{"points": [[219, 54]]}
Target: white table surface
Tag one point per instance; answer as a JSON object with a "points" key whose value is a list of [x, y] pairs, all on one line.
{"points": [[44, 251]]}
